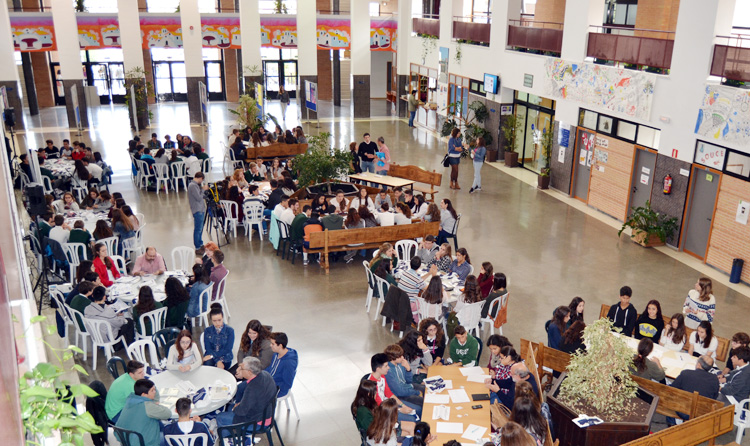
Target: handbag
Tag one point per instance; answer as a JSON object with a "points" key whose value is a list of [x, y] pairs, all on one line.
{"points": [[445, 161], [499, 415]]}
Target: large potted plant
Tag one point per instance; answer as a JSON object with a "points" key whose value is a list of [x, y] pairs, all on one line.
{"points": [[543, 179], [598, 383], [510, 128], [321, 164], [142, 89], [249, 113], [648, 227]]}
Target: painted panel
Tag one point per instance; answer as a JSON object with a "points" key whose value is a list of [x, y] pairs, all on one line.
{"points": [[725, 114], [33, 31]]}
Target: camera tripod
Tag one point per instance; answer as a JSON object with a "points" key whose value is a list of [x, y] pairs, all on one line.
{"points": [[214, 220]]}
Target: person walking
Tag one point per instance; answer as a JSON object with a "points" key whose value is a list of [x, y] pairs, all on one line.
{"points": [[479, 152], [413, 103], [455, 148], [197, 207], [284, 99]]}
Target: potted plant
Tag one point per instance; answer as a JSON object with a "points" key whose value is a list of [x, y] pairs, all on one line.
{"points": [[510, 127], [321, 163], [543, 179], [249, 113], [598, 383], [142, 88], [649, 228]]}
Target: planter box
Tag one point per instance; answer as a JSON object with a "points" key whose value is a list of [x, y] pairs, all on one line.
{"points": [[511, 159], [542, 182], [348, 188], [643, 239], [491, 156], [610, 434]]}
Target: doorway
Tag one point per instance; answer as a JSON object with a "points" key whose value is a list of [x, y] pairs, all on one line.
{"points": [[170, 83], [214, 80], [280, 73], [704, 188], [642, 180], [109, 80], [585, 142]]}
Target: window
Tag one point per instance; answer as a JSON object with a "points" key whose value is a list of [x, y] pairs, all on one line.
{"points": [[269, 7], [627, 130], [588, 119], [481, 11], [738, 164], [648, 137], [163, 5], [621, 12], [101, 6], [374, 9]]}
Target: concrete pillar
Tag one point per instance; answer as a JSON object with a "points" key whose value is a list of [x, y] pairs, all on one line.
{"points": [[402, 56], [132, 56], [8, 70], [250, 20], [307, 50], [361, 62], [69, 54], [192, 45], [579, 15]]}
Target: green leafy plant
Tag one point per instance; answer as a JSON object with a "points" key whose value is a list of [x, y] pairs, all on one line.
{"points": [[249, 113], [279, 7], [142, 89], [457, 55], [510, 128], [547, 140], [321, 162], [429, 44], [645, 219], [46, 398], [599, 377]]}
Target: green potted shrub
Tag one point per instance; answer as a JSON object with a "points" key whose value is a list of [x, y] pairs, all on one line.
{"points": [[543, 179], [598, 383], [510, 127], [321, 163], [249, 113], [648, 227], [136, 77]]}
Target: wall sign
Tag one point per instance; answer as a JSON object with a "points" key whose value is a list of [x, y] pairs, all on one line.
{"points": [[528, 80], [742, 212], [602, 156], [710, 155], [601, 142], [506, 110]]}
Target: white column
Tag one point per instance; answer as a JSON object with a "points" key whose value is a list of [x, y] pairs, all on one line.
{"points": [[360, 43], [447, 11], [579, 14], [502, 13], [68, 49], [192, 40], [250, 36], [724, 18], [8, 71], [130, 34], [307, 49], [402, 41]]}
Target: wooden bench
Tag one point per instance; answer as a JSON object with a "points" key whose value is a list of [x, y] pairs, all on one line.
{"points": [[327, 241], [274, 151], [722, 350], [672, 400], [419, 175], [531, 364], [694, 431]]}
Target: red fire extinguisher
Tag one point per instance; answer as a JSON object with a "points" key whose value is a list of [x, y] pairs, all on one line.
{"points": [[667, 184]]}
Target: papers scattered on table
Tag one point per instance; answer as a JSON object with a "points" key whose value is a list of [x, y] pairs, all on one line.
{"points": [[434, 398], [168, 401], [477, 378], [474, 433], [127, 279], [169, 391], [449, 428], [459, 396], [435, 384], [441, 413], [219, 391], [187, 387], [448, 384], [469, 371]]}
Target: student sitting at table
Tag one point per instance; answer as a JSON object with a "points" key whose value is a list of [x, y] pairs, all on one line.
{"points": [[403, 214], [283, 366], [400, 380], [442, 258], [104, 265], [83, 298], [184, 354], [334, 221], [200, 281], [253, 174], [463, 348], [362, 199], [122, 226], [674, 336], [650, 323], [339, 202], [384, 428], [122, 387], [218, 272], [151, 262], [91, 199], [128, 211], [527, 413], [161, 157], [142, 413], [433, 337], [472, 293], [398, 195], [556, 326], [51, 150], [419, 210], [703, 341], [382, 198], [219, 340], [186, 425], [364, 404], [67, 204], [79, 234], [177, 302], [645, 367], [238, 149], [258, 392], [461, 266], [379, 365], [255, 341], [102, 230], [119, 322]]}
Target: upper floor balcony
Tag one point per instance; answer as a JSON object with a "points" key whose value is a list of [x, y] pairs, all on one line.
{"points": [[474, 29], [731, 59], [530, 35], [633, 46], [426, 24]]}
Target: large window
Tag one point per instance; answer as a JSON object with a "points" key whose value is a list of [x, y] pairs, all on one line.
{"points": [[536, 115], [481, 11], [269, 7], [620, 12], [628, 131]]}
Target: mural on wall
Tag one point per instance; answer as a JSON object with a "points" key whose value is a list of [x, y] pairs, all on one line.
{"points": [[333, 33], [98, 31], [221, 31], [33, 31], [614, 89], [383, 35], [725, 114], [161, 31], [278, 33]]}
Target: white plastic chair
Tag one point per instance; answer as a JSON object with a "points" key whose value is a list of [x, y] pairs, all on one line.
{"points": [[145, 174], [110, 243], [370, 284], [132, 248], [137, 351], [162, 177], [120, 264], [62, 309], [204, 300], [741, 416], [47, 184], [75, 252], [454, 232], [381, 285], [206, 166], [405, 250], [141, 219], [253, 211], [81, 332], [236, 164], [285, 399], [469, 317], [183, 258], [221, 296], [158, 320], [79, 187], [179, 173], [231, 213], [431, 310], [495, 307], [24, 179], [102, 336], [186, 439]]}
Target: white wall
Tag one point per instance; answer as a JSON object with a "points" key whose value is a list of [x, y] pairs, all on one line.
{"points": [[379, 73]]}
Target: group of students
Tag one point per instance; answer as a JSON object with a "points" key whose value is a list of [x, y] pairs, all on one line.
{"points": [[184, 149], [89, 166], [263, 138]]}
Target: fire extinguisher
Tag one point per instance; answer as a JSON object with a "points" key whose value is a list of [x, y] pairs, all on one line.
{"points": [[667, 184]]}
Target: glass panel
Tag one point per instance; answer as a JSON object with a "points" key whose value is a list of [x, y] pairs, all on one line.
{"points": [[522, 96], [213, 70], [648, 137], [620, 14], [626, 130], [548, 103], [534, 99], [116, 71], [180, 85], [211, 54], [738, 163], [161, 71], [106, 55], [632, 10], [272, 69], [158, 54], [465, 103], [163, 5], [99, 71], [178, 70], [289, 54], [214, 85], [118, 86], [206, 6], [521, 116], [269, 53], [163, 86], [533, 135], [290, 69], [272, 83], [102, 87], [374, 9], [589, 119], [290, 83]]}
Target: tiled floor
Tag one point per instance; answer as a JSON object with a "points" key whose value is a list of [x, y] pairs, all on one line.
{"points": [[550, 251]]}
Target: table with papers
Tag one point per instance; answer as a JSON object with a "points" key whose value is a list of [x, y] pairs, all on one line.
{"points": [[61, 168], [126, 288], [218, 385], [673, 362], [448, 410], [450, 281], [89, 218]]}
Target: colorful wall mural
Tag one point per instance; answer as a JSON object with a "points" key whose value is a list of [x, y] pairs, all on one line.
{"points": [[98, 31], [725, 114], [383, 35], [33, 31]]}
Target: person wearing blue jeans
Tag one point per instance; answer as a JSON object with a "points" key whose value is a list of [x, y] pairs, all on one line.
{"points": [[412, 104], [478, 154], [197, 207]]}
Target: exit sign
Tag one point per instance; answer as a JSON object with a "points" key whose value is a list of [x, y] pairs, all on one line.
{"points": [[528, 80]]}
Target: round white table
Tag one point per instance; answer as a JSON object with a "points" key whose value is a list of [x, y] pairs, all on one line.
{"points": [[450, 281], [61, 168], [126, 288], [89, 219], [206, 377]]}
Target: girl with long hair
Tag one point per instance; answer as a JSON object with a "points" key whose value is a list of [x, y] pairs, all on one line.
{"points": [[472, 293], [382, 430], [526, 414], [576, 307], [238, 176], [184, 354], [700, 304], [80, 172], [572, 339], [433, 337], [128, 211], [448, 217], [455, 148], [354, 166], [420, 207], [461, 266], [364, 404], [499, 289], [513, 434], [276, 169], [104, 266], [702, 341], [508, 357], [650, 323], [122, 225], [495, 343], [443, 258], [403, 214], [146, 304], [384, 254], [256, 341], [645, 367], [363, 199], [485, 279], [366, 216], [674, 336], [557, 327], [433, 293], [91, 200], [433, 213], [417, 354], [422, 435], [177, 302], [319, 204]]}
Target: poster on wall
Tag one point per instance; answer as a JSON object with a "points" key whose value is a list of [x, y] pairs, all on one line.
{"points": [[724, 114], [278, 32], [615, 89], [161, 31], [710, 155], [563, 135], [333, 33], [221, 31], [743, 209], [311, 96], [33, 31], [443, 58], [383, 35]]}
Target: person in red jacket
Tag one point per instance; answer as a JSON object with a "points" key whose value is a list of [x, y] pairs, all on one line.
{"points": [[104, 266]]}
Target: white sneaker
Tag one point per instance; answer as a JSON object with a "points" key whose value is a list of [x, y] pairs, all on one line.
{"points": [[305, 263]]}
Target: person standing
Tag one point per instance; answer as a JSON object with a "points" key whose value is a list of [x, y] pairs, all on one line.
{"points": [[384, 162], [700, 304], [455, 148], [366, 152], [413, 103], [479, 152], [284, 99], [197, 207]]}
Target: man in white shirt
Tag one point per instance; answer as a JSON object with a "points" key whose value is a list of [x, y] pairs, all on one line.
{"points": [[61, 231], [281, 207], [94, 169], [290, 212]]}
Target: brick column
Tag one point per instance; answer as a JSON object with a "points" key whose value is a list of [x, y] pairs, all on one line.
{"points": [[325, 75], [231, 79]]}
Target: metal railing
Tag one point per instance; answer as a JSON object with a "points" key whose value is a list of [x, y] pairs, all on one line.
{"points": [[474, 18], [535, 24], [628, 31], [736, 40], [635, 46], [732, 61], [418, 15]]}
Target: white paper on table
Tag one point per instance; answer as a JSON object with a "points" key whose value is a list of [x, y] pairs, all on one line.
{"points": [[468, 371], [474, 433], [434, 398], [187, 387], [449, 428], [441, 413], [459, 396], [448, 384], [477, 378], [169, 391]]}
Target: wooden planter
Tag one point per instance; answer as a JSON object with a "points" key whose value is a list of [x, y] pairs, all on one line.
{"points": [[609, 434], [511, 159], [542, 182], [645, 240]]}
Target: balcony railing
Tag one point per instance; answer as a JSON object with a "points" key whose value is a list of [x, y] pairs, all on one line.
{"points": [[426, 24], [532, 35], [732, 58], [630, 46], [473, 29]]}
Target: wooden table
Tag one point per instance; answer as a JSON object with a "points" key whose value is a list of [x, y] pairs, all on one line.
{"points": [[673, 362], [381, 179], [479, 417]]}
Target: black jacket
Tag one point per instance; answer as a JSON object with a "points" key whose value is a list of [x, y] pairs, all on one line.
{"points": [[624, 319], [698, 380], [274, 198], [397, 307]]}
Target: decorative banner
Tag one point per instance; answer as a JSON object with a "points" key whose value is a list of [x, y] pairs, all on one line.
{"points": [[161, 31], [725, 114], [221, 31], [278, 32], [97, 31], [615, 89], [710, 155], [383, 35], [33, 31], [333, 33]]}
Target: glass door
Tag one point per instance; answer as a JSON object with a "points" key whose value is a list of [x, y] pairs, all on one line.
{"points": [[215, 81], [100, 80], [163, 81], [290, 78], [59, 90], [272, 70], [179, 81], [117, 82]]}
